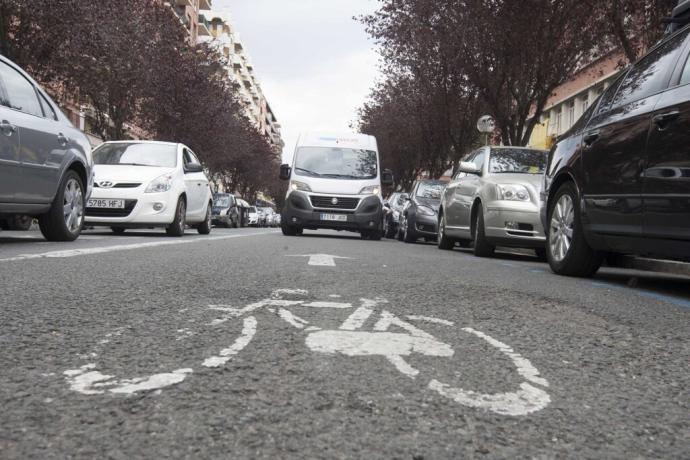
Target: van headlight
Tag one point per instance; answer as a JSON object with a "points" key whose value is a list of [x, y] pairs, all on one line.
{"points": [[512, 192], [370, 190], [426, 211], [297, 185], [160, 184]]}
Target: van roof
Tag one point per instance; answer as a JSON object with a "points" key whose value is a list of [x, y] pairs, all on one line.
{"points": [[337, 139]]}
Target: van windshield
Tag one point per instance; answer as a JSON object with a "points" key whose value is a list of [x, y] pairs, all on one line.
{"points": [[336, 163]]}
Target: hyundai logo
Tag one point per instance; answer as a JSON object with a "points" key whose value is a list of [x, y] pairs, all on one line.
{"points": [[106, 184], [334, 201]]}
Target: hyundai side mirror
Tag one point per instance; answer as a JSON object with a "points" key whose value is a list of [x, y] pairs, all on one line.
{"points": [[285, 172], [193, 168], [468, 167], [387, 178]]}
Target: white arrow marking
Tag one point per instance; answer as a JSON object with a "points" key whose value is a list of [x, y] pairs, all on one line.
{"points": [[321, 260]]}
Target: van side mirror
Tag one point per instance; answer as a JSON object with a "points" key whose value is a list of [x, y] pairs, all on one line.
{"points": [[468, 167], [285, 172], [387, 178]]}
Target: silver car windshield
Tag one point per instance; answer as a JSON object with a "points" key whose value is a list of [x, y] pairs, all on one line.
{"points": [[221, 202], [523, 161], [336, 163], [136, 154]]}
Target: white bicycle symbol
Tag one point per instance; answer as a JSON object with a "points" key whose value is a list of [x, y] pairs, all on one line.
{"points": [[350, 339]]}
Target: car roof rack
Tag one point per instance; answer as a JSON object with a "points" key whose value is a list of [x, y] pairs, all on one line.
{"points": [[679, 18]]}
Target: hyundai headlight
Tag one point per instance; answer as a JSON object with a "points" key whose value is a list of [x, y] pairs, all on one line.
{"points": [[160, 184], [297, 185], [426, 211], [370, 190], [513, 192]]}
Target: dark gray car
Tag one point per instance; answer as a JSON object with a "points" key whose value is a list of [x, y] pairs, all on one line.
{"points": [[45, 162]]}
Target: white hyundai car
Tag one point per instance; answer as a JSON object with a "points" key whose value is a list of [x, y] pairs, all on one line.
{"points": [[144, 184]]}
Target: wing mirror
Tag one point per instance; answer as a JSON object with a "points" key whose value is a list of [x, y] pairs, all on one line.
{"points": [[469, 168], [285, 172], [387, 178], [193, 168]]}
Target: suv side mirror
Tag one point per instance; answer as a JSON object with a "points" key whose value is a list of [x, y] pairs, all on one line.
{"points": [[193, 168], [469, 168], [285, 172], [387, 178]]}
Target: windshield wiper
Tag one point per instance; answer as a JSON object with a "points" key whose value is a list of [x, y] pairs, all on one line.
{"points": [[313, 173], [135, 164]]}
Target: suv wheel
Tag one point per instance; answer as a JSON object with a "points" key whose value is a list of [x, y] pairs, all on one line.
{"points": [[65, 219], [444, 242], [408, 233], [567, 250], [482, 247], [176, 228], [290, 230]]}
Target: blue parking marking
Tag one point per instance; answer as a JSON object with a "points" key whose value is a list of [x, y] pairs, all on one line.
{"points": [[683, 303]]}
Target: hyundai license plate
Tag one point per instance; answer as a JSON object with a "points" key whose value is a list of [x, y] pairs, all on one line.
{"points": [[334, 217], [106, 204]]}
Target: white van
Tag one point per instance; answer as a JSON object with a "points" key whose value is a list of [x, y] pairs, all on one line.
{"points": [[335, 183]]}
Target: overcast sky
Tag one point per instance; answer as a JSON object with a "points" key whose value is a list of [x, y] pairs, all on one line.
{"points": [[314, 62]]}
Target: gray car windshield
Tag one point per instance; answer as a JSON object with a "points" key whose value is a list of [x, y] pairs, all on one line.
{"points": [[431, 190], [336, 163], [221, 202], [517, 161], [136, 154]]}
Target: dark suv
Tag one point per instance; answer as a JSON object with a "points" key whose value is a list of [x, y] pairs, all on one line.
{"points": [[45, 162], [619, 181]]}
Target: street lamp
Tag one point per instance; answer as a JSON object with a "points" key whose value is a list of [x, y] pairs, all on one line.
{"points": [[486, 125]]}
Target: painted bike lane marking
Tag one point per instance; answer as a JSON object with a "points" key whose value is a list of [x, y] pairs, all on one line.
{"points": [[350, 339], [320, 260]]}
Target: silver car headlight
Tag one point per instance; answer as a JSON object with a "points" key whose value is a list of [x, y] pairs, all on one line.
{"points": [[426, 211], [512, 192], [160, 184]]}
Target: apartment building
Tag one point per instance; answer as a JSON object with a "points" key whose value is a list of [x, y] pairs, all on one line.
{"points": [[188, 11], [570, 100], [240, 71]]}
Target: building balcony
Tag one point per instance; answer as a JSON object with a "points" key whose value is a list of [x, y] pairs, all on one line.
{"points": [[204, 26]]}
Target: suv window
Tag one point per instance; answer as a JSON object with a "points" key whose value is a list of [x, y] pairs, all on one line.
{"points": [[607, 97], [47, 108], [685, 78], [20, 93], [649, 76]]}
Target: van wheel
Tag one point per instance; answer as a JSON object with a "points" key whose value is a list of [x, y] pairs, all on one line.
{"points": [[205, 227], [176, 228], [290, 230], [482, 247], [566, 248], [65, 219]]}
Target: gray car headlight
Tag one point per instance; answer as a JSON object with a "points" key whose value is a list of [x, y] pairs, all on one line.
{"points": [[512, 192]]}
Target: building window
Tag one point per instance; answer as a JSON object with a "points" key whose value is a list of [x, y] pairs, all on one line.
{"points": [[585, 105], [559, 119], [571, 113]]}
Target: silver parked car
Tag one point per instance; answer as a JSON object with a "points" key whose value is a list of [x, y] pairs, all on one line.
{"points": [[494, 200], [45, 162]]}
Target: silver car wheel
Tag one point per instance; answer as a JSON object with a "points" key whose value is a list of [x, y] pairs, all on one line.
{"points": [[561, 228], [73, 206]]}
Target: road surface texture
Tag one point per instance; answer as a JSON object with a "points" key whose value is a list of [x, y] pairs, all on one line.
{"points": [[249, 344]]}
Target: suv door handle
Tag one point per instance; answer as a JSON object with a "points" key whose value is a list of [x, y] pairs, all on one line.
{"points": [[62, 139], [591, 138], [7, 128], [663, 119]]}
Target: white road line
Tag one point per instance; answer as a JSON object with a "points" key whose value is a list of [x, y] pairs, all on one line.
{"points": [[321, 260], [248, 331], [125, 247], [430, 319], [357, 319]]}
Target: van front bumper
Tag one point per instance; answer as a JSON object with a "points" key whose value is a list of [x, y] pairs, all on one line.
{"points": [[299, 212]]}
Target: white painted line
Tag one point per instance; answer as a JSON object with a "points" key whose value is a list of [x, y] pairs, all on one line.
{"points": [[388, 319], [357, 319], [126, 247], [430, 319], [248, 332], [294, 320], [321, 260], [328, 305], [87, 381]]}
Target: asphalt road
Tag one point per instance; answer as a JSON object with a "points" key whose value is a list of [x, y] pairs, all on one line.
{"points": [[241, 345]]}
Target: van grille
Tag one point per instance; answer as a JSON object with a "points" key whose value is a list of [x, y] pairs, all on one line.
{"points": [[326, 202]]}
